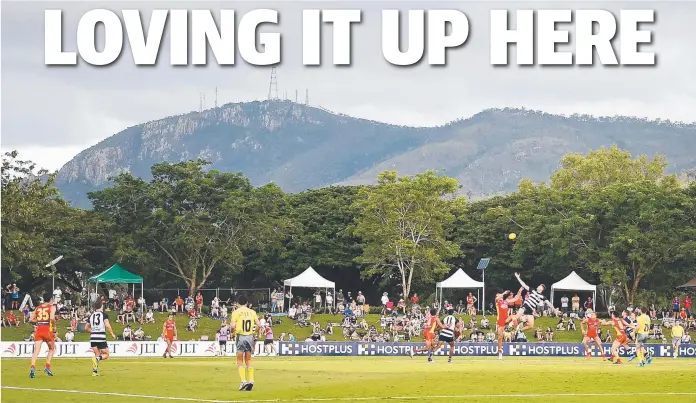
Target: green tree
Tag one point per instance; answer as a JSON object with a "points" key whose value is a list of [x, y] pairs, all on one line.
{"points": [[38, 225], [403, 223], [189, 221], [621, 218], [317, 235], [24, 198]]}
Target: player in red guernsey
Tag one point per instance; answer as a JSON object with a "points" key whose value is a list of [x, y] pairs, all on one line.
{"points": [[429, 335], [619, 326], [591, 333], [503, 303], [169, 333], [45, 318], [502, 308], [514, 301]]}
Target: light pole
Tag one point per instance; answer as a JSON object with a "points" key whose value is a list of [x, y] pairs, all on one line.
{"points": [[53, 264]]}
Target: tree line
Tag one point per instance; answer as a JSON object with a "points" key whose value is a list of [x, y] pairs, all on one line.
{"points": [[618, 221]]}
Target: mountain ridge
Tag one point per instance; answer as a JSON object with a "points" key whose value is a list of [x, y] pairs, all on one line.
{"points": [[301, 147]]}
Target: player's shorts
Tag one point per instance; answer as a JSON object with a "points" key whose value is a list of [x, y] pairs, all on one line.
{"points": [[591, 335], [44, 335], [501, 322], [169, 338], [527, 310], [621, 339], [223, 343], [446, 339], [101, 345], [676, 340], [267, 342], [245, 343], [642, 338], [429, 336]]}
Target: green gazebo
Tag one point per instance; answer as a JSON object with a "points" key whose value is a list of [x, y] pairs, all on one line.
{"points": [[116, 275]]}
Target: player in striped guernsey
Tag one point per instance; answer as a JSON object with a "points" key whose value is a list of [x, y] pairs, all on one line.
{"points": [[447, 332], [535, 301], [97, 325]]}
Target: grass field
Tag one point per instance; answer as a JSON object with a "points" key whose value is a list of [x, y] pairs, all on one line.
{"points": [[344, 379], [209, 326]]}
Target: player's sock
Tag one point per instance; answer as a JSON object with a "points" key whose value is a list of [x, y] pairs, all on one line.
{"points": [[242, 373], [641, 356], [250, 374]]}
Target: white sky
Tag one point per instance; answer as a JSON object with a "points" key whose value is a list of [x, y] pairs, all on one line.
{"points": [[49, 114]]}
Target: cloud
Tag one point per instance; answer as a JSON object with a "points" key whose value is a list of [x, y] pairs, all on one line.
{"points": [[53, 112]]}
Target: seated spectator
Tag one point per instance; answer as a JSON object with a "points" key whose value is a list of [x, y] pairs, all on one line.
{"points": [[121, 317], [561, 324], [26, 314], [12, 319], [686, 339], [485, 323], [460, 307], [69, 336], [538, 334], [292, 312], [192, 325], [549, 334], [149, 316], [128, 333], [571, 325], [164, 305], [139, 334], [401, 306], [179, 304]]}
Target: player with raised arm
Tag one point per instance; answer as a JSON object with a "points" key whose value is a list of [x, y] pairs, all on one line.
{"points": [[45, 318], [447, 333], [502, 306], [621, 338], [428, 335], [590, 334], [97, 325], [536, 300], [243, 323], [169, 333]]}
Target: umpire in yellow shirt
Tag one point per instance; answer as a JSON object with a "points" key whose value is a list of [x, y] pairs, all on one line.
{"points": [[244, 323], [677, 334], [642, 327]]}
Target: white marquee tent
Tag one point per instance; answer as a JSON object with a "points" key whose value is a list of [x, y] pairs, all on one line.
{"points": [[309, 279], [575, 283], [459, 280]]}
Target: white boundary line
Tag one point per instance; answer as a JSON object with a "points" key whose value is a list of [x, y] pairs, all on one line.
{"points": [[371, 398]]}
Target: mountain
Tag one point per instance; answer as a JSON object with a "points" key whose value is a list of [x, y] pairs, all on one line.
{"points": [[301, 147]]}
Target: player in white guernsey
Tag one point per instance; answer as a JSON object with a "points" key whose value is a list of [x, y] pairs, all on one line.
{"points": [[97, 325], [447, 326], [535, 300]]}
